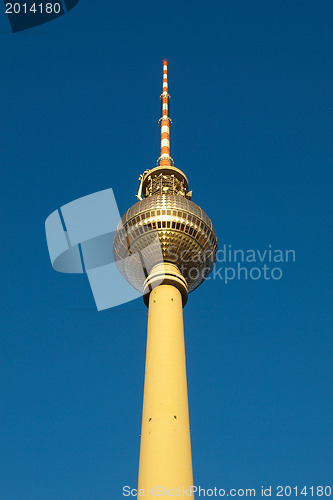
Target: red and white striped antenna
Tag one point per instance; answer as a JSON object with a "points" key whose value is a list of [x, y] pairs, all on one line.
{"points": [[165, 122], [165, 178]]}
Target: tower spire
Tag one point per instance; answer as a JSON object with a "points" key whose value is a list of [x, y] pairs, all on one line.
{"points": [[165, 178], [165, 121]]}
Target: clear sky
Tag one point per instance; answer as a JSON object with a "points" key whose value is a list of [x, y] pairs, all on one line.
{"points": [[251, 87]]}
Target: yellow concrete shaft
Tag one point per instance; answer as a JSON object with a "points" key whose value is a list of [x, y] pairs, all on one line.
{"points": [[165, 453]]}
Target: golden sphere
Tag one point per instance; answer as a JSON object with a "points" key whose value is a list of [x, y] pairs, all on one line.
{"points": [[167, 228]]}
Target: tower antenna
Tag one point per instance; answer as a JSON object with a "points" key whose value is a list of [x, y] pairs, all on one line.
{"points": [[165, 122]]}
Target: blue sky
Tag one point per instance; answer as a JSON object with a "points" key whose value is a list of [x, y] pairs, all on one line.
{"points": [[251, 90]]}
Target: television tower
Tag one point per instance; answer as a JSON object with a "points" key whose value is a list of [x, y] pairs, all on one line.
{"points": [[188, 247]]}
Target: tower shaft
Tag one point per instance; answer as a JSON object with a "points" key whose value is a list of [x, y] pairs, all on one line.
{"points": [[165, 452]]}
